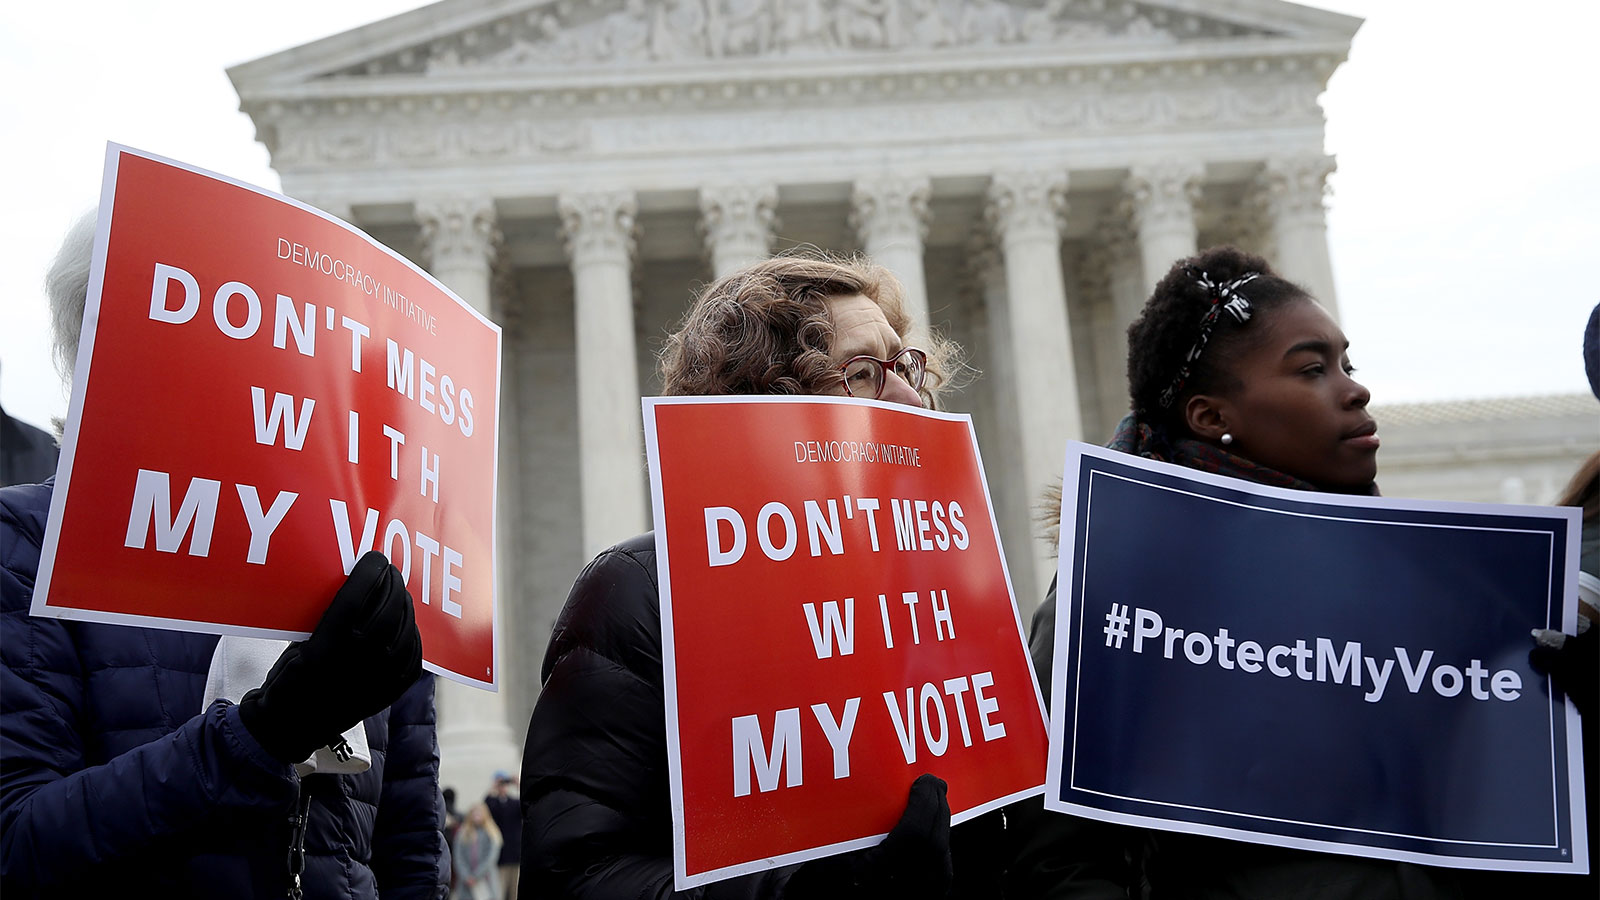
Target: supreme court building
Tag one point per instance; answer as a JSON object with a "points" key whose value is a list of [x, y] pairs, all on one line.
{"points": [[576, 168]]}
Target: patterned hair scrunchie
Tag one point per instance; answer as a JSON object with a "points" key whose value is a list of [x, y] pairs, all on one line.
{"points": [[1224, 297]]}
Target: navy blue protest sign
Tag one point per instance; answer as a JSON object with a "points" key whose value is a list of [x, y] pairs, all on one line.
{"points": [[1311, 670]]}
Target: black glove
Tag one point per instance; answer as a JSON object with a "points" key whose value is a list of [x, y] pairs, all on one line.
{"points": [[362, 656], [912, 861], [1574, 665]]}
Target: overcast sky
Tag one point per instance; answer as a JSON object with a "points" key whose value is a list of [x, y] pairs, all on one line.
{"points": [[1463, 222]]}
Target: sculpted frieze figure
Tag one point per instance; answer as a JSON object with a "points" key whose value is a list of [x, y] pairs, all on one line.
{"points": [[865, 23], [925, 24], [739, 27], [679, 31], [1040, 25], [987, 22], [443, 59], [565, 46], [641, 31], [802, 26], [625, 34], [1141, 27]]}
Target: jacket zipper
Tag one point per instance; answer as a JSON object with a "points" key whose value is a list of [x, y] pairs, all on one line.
{"points": [[297, 839]]}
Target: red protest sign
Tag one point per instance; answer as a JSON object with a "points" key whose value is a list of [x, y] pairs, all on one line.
{"points": [[836, 619], [262, 394]]}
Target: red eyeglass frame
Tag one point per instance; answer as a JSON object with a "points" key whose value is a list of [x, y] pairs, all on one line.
{"points": [[888, 369]]}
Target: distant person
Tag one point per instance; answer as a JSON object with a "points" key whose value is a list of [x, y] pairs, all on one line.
{"points": [[506, 809], [452, 824], [27, 454], [119, 777], [476, 852]]}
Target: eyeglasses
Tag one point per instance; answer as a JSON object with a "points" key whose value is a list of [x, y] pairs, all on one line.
{"points": [[865, 376]]}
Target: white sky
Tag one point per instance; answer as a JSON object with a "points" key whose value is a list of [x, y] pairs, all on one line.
{"points": [[1462, 221]]}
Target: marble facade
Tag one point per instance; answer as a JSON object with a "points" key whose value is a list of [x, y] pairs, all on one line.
{"points": [[1028, 168]]}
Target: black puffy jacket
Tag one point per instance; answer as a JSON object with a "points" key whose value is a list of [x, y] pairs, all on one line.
{"points": [[596, 810]]}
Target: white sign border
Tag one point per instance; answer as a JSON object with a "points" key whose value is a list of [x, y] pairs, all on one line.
{"points": [[681, 880], [1066, 634], [80, 385]]}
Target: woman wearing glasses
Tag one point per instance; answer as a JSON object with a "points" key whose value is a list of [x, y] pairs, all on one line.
{"points": [[596, 809]]}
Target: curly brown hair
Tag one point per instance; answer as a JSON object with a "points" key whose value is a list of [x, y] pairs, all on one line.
{"points": [[765, 329]]}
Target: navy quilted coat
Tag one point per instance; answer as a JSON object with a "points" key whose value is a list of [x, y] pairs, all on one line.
{"points": [[113, 782]]}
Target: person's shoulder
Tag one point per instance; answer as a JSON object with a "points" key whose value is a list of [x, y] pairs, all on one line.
{"points": [[24, 507], [628, 565], [640, 550], [23, 510], [614, 607]]}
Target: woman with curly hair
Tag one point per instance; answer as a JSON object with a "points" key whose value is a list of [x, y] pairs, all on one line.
{"points": [[595, 803]]}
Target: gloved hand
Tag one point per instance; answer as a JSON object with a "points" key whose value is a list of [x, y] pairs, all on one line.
{"points": [[912, 861], [362, 656], [1574, 664]]}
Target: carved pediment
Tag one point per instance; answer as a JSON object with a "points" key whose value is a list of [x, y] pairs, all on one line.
{"points": [[561, 34]]}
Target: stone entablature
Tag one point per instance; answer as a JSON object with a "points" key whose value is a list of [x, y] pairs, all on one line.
{"points": [[1494, 410], [611, 33], [482, 90], [1495, 450]]}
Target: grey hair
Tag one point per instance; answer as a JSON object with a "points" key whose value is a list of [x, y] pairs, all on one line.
{"points": [[66, 284]]}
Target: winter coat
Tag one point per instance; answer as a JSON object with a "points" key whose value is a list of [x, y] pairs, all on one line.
{"points": [[597, 814], [27, 454], [507, 814], [596, 810], [476, 856], [113, 781]]}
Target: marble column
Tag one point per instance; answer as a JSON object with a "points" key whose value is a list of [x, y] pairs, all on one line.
{"points": [[1101, 406], [1025, 209], [737, 220], [460, 239], [1002, 459], [1125, 277], [1290, 192], [890, 215], [599, 231], [1161, 200]]}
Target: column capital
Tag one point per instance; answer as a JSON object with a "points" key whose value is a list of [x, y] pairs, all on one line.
{"points": [[1247, 226], [984, 258], [737, 221], [458, 230], [1027, 204], [1118, 231], [1162, 195], [598, 226], [891, 209], [1293, 187]]}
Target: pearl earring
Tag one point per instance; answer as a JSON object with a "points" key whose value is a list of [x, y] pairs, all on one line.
{"points": [[1227, 439]]}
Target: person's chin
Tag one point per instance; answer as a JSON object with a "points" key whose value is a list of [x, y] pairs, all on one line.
{"points": [[1357, 478]]}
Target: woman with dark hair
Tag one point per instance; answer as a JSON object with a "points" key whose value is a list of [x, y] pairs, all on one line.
{"points": [[1235, 371]]}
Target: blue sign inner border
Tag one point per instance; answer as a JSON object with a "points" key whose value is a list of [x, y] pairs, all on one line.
{"points": [[1560, 851]]}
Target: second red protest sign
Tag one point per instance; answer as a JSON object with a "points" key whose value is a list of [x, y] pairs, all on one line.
{"points": [[836, 620]]}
